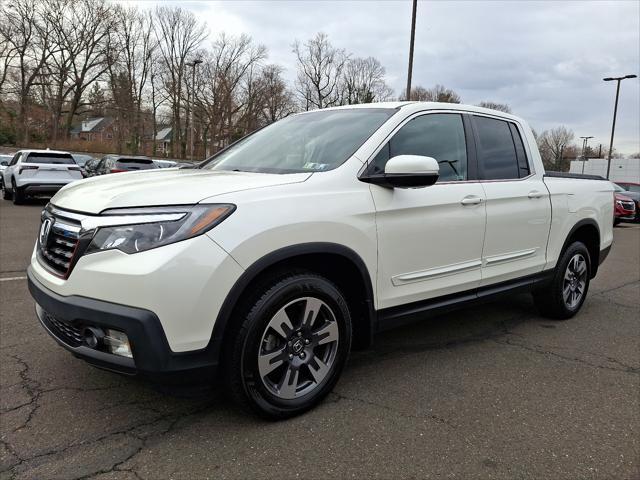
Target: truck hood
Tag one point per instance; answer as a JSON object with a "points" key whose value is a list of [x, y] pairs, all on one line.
{"points": [[162, 187]]}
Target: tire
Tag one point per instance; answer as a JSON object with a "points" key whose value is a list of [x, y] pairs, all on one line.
{"points": [[18, 195], [6, 194], [566, 293], [277, 364], [616, 222]]}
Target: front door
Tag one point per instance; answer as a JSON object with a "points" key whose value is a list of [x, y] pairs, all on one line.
{"points": [[429, 239]]}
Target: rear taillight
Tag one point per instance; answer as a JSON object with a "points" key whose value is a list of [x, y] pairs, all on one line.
{"points": [[117, 170], [27, 167]]}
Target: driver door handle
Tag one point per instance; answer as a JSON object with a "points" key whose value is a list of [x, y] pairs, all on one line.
{"points": [[471, 200], [535, 194]]}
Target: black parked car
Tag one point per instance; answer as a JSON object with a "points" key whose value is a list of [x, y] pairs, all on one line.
{"points": [[90, 167], [123, 163]]}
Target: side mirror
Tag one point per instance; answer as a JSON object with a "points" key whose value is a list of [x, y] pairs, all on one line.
{"points": [[407, 171]]}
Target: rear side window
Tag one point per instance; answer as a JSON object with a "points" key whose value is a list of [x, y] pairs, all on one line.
{"points": [[55, 158], [135, 164], [497, 158], [437, 135]]}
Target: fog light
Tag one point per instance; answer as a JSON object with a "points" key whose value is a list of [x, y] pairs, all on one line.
{"points": [[117, 343]]}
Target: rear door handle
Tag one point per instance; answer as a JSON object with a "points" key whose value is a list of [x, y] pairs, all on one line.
{"points": [[471, 200], [536, 194]]}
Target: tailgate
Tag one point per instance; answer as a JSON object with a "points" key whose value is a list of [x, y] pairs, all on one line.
{"points": [[50, 173]]}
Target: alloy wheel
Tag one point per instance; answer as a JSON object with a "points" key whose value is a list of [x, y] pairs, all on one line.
{"points": [[298, 348], [575, 281]]}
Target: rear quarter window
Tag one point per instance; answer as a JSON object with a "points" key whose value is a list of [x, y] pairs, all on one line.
{"points": [[50, 158]]}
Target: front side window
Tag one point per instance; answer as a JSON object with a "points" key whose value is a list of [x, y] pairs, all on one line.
{"points": [[497, 158], [437, 135], [310, 142]]}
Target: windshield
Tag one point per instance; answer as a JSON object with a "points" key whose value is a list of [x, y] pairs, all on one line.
{"points": [[310, 142], [618, 188]]}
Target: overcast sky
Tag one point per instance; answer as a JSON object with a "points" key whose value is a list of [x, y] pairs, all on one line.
{"points": [[545, 59]]}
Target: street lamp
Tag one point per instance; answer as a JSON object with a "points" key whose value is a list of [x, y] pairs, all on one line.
{"points": [[615, 112], [193, 100], [585, 140]]}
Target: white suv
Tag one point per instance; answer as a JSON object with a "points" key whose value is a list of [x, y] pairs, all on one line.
{"points": [[38, 172], [269, 261]]}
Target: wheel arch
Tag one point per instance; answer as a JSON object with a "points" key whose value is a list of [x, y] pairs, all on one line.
{"points": [[353, 279], [587, 232]]}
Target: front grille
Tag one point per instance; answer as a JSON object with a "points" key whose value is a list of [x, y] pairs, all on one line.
{"points": [[64, 331], [628, 205], [58, 242]]}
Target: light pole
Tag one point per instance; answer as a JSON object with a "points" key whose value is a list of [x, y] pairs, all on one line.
{"points": [[413, 38], [585, 140], [193, 98], [615, 112]]}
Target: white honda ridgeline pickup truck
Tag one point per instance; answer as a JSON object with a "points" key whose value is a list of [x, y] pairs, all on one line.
{"points": [[269, 261]]}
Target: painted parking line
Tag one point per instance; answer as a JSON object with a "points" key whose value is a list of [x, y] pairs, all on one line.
{"points": [[10, 279]]}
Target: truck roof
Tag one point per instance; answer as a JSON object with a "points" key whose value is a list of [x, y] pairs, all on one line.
{"points": [[420, 106]]}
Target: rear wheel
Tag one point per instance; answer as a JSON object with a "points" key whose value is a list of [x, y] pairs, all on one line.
{"points": [[291, 346], [564, 297], [18, 195]]}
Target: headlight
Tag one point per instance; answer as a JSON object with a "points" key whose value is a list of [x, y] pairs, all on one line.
{"points": [[138, 229]]}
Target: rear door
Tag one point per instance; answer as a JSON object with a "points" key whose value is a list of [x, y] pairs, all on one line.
{"points": [[517, 202]]}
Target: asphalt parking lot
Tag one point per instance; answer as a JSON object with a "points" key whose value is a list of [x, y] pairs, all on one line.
{"points": [[491, 392]]}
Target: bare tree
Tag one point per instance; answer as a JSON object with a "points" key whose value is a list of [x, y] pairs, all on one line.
{"points": [[228, 86], [129, 72], [438, 93], [320, 67], [363, 81], [83, 51], [179, 35], [278, 99], [501, 107], [26, 36], [553, 145]]}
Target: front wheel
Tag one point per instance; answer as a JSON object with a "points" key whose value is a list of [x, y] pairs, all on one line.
{"points": [[564, 297], [289, 349], [6, 194]]}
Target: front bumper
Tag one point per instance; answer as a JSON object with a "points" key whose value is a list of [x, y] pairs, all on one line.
{"points": [[152, 356]]}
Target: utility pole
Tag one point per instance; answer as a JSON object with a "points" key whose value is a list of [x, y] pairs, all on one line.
{"points": [[615, 112], [193, 98], [413, 38], [585, 140]]}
